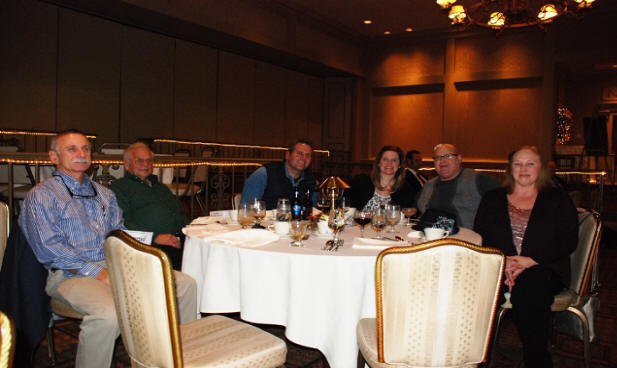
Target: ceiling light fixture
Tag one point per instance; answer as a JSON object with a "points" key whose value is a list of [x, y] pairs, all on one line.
{"points": [[501, 14], [367, 21], [387, 32], [408, 29]]}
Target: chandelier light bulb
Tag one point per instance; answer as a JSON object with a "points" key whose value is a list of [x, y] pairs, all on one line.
{"points": [[457, 14], [584, 3], [445, 4], [497, 20], [547, 12]]}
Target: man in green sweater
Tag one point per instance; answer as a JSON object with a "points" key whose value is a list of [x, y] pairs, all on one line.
{"points": [[148, 205]]}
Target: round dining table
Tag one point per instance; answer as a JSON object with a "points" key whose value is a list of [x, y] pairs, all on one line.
{"points": [[318, 295]]}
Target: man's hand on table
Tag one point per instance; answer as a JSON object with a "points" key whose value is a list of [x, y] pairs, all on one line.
{"points": [[167, 239]]}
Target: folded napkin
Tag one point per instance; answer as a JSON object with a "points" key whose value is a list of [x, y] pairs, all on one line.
{"points": [[249, 238], [204, 230], [368, 243], [207, 220]]}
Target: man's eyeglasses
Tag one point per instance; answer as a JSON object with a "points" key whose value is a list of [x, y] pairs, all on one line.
{"points": [[74, 195], [445, 157]]}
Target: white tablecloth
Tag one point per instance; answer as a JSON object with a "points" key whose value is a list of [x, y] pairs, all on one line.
{"points": [[319, 296]]}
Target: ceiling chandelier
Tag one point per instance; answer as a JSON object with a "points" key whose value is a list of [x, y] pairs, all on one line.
{"points": [[500, 14]]}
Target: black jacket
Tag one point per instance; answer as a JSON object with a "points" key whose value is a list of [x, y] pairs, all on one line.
{"points": [[362, 190], [551, 234]]}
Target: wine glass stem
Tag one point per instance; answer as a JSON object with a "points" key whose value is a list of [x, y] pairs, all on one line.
{"points": [[362, 231]]}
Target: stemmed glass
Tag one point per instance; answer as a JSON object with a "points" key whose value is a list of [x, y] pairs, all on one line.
{"points": [[378, 221], [297, 229], [245, 215], [336, 222], [283, 210], [258, 210], [409, 212], [362, 218], [393, 215]]}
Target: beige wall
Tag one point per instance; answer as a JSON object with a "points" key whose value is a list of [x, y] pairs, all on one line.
{"points": [[61, 68]]}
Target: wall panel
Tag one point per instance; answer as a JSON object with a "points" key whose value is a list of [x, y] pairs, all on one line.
{"points": [[89, 64], [195, 92], [490, 124], [270, 95], [28, 52], [410, 121], [147, 85], [410, 65], [236, 88], [297, 107]]}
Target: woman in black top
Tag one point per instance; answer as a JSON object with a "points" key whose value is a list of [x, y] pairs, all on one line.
{"points": [[536, 227], [386, 182]]}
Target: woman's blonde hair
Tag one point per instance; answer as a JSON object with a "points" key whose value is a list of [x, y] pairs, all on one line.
{"points": [[543, 181], [399, 176]]}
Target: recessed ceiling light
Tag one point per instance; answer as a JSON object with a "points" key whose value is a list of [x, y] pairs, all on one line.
{"points": [[387, 32], [367, 21], [408, 29]]}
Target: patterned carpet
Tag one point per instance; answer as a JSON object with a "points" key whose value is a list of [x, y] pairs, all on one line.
{"points": [[566, 351]]}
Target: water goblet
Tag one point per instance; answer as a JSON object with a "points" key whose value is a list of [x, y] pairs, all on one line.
{"points": [[245, 215], [393, 215], [283, 210], [362, 218], [258, 210], [378, 221], [297, 229], [336, 222]]}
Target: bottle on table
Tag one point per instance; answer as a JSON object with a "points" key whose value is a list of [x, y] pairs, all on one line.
{"points": [[296, 205]]}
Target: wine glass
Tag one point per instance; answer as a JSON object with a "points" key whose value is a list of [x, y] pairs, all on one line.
{"points": [[323, 203], [258, 210], [378, 221], [297, 230], [336, 222], [245, 215], [283, 210], [362, 218], [393, 215], [409, 212]]}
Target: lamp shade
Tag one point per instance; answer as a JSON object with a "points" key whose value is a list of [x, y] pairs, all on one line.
{"points": [[333, 182]]}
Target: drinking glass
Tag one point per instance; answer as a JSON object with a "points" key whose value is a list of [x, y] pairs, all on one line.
{"points": [[378, 221], [409, 212], [323, 203], [393, 215], [362, 218], [258, 210], [245, 215], [297, 229], [336, 222], [283, 210]]}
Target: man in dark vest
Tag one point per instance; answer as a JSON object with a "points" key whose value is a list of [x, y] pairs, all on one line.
{"points": [[278, 179]]}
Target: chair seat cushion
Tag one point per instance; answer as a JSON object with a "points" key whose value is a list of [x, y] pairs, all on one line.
{"points": [[563, 300], [367, 342], [218, 341]]}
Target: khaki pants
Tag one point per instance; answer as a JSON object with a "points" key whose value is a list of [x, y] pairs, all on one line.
{"points": [[99, 328]]}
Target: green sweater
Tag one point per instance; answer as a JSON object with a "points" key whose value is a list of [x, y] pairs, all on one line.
{"points": [[148, 208]]}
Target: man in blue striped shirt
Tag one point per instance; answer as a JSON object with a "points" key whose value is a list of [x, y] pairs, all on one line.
{"points": [[65, 219]]}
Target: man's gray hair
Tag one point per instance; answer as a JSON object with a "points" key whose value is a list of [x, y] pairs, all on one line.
{"points": [[128, 152], [53, 145]]}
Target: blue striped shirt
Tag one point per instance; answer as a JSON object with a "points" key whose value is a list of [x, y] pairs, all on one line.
{"points": [[66, 223]]}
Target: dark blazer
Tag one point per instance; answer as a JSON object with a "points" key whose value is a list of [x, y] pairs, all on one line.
{"points": [[362, 190], [551, 234], [414, 184], [23, 296]]}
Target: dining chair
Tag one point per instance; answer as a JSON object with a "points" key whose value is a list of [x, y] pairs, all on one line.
{"points": [[7, 341], [435, 305], [4, 229], [582, 284], [60, 311], [143, 289]]}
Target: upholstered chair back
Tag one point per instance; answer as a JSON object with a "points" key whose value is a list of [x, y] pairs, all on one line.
{"points": [[4, 229], [581, 261], [436, 302], [142, 285], [7, 341]]}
